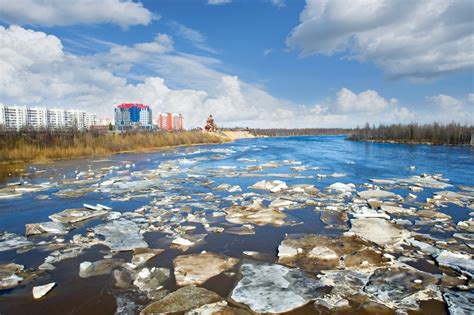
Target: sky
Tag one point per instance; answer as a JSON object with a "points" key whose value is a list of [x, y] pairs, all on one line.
{"points": [[250, 63]]}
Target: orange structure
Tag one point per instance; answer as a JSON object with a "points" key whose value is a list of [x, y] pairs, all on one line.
{"points": [[171, 122]]}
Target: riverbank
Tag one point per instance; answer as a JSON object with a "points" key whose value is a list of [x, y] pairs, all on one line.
{"points": [[430, 134], [405, 141], [44, 147], [236, 135]]}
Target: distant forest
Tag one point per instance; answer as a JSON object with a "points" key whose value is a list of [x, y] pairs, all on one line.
{"points": [[300, 132], [450, 134]]}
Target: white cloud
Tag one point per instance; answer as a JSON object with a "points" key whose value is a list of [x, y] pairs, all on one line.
{"points": [[446, 102], [58, 12], [267, 52], [46, 75], [470, 97], [350, 109], [278, 3], [218, 2], [415, 39], [195, 37], [446, 108], [368, 102], [35, 69]]}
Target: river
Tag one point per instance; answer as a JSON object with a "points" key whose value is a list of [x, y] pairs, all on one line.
{"points": [[203, 194]]}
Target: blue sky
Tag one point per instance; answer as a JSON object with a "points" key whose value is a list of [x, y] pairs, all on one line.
{"points": [[256, 63]]}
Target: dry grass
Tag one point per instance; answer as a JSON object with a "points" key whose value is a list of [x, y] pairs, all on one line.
{"points": [[46, 146]]}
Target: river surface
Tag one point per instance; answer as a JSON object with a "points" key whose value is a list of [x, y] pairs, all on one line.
{"points": [[190, 187]]}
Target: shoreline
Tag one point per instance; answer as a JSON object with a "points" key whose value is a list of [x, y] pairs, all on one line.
{"points": [[409, 142], [148, 150], [85, 146]]}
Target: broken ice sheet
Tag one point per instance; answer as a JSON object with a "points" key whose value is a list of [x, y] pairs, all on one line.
{"points": [[121, 235], [256, 213], [272, 288], [10, 241], [198, 268], [313, 253], [181, 300]]}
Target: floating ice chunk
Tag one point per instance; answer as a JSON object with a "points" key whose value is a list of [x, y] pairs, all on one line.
{"points": [[42, 290], [341, 188], [424, 247], [271, 288], [97, 268], [100, 206], [182, 242], [198, 268], [273, 186], [9, 277], [121, 235], [181, 300], [46, 227], [380, 194], [462, 263], [459, 302], [10, 241], [76, 215], [378, 231]]}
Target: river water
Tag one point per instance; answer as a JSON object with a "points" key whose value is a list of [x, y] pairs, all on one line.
{"points": [[185, 185]]}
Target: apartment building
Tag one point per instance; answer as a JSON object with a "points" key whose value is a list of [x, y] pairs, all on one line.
{"points": [[131, 115], [171, 122], [16, 117]]}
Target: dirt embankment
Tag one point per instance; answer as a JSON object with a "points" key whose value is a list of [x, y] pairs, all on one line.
{"points": [[235, 135]]}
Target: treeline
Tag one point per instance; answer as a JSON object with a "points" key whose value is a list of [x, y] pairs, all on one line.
{"points": [[450, 134], [44, 145], [300, 132]]}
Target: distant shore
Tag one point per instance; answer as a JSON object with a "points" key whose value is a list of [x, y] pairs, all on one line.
{"points": [[405, 141], [453, 134]]}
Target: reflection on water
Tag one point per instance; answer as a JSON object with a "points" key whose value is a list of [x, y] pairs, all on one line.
{"points": [[11, 170]]}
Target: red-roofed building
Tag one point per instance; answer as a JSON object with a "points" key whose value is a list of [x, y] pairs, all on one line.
{"points": [[131, 115]]}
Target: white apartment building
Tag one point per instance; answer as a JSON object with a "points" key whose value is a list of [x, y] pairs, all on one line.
{"points": [[37, 117], [56, 118], [145, 117], [15, 117]]}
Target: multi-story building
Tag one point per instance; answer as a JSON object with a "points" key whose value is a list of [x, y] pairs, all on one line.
{"points": [[15, 117], [38, 117], [56, 118], [178, 122], [130, 115], [170, 121]]}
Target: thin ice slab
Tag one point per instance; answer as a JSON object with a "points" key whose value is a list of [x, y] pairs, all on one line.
{"points": [[181, 300], [198, 268], [272, 288], [121, 235]]}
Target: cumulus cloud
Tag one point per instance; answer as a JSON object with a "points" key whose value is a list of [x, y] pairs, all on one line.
{"points": [[35, 70], [367, 101], [446, 108], [446, 102], [58, 13], [352, 108], [46, 75], [414, 39]]}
